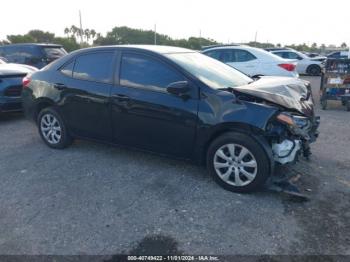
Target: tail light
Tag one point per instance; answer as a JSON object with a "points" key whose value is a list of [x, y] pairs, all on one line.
{"points": [[288, 67], [26, 81]]}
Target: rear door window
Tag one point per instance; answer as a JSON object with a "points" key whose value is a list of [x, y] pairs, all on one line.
{"points": [[94, 67], [282, 54], [214, 54], [68, 69], [243, 55]]}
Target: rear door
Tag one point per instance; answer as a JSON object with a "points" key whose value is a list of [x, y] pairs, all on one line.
{"points": [[245, 62], [144, 114], [85, 83], [240, 59]]}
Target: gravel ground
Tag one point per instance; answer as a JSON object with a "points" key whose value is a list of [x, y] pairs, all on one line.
{"points": [[103, 200]]}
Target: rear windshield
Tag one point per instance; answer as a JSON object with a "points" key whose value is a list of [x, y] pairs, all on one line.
{"points": [[54, 52]]}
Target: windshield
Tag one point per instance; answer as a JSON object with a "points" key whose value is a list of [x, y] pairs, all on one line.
{"points": [[213, 73]]}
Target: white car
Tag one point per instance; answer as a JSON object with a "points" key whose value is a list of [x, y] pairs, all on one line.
{"points": [[253, 61], [306, 65]]}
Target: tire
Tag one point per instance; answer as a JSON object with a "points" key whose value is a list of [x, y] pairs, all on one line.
{"points": [[324, 104], [314, 70], [50, 121], [231, 177], [348, 105]]}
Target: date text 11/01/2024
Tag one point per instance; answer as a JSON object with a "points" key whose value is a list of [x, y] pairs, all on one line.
{"points": [[172, 258]]}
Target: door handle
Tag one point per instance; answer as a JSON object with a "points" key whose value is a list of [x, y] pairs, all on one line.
{"points": [[121, 97], [59, 86]]}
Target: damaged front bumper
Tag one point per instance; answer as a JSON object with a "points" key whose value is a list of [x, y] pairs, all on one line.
{"points": [[295, 140]]}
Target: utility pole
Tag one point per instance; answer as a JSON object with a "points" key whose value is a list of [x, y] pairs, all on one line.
{"points": [[256, 37], [81, 28], [155, 34]]}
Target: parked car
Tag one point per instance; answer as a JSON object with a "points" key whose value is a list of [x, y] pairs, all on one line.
{"points": [[339, 55], [37, 55], [3, 60], [306, 65], [252, 61], [11, 76], [310, 54], [177, 102]]}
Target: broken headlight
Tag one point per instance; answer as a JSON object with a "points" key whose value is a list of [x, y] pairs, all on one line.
{"points": [[293, 121]]}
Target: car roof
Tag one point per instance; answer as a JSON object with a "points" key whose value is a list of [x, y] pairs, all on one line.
{"points": [[279, 49], [35, 44], [161, 49]]}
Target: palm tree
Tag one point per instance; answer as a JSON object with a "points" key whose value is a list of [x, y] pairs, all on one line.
{"points": [[92, 33], [66, 31], [87, 34], [74, 30]]}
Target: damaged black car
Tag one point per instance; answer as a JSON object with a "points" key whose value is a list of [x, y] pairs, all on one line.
{"points": [[174, 102]]}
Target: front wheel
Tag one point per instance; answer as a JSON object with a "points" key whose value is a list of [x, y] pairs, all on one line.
{"points": [[238, 163], [52, 129]]}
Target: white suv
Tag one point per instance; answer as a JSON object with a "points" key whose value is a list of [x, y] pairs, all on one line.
{"points": [[253, 61]]}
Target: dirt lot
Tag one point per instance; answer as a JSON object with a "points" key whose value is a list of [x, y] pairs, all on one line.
{"points": [[98, 199]]}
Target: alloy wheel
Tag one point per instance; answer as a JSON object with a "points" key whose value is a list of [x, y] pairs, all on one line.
{"points": [[50, 128], [235, 165]]}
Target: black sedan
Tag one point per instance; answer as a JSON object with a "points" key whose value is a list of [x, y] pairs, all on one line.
{"points": [[176, 102]]}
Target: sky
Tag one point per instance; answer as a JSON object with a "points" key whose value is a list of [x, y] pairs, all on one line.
{"points": [[274, 21]]}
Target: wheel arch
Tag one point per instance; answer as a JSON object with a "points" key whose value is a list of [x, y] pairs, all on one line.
{"points": [[41, 104], [311, 66], [247, 129]]}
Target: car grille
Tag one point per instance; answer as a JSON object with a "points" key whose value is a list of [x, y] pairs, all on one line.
{"points": [[13, 91]]}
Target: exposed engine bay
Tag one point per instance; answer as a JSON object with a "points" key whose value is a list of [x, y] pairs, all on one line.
{"points": [[294, 126]]}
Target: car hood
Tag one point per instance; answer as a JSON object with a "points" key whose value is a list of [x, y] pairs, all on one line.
{"points": [[290, 93], [15, 69]]}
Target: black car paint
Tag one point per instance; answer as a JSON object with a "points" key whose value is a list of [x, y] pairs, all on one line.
{"points": [[149, 120]]}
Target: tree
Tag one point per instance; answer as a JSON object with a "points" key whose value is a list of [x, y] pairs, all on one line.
{"points": [[69, 44], [344, 45], [41, 36], [126, 35], [14, 39], [66, 31]]}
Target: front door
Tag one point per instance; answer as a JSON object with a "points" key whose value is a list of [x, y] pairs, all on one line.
{"points": [[144, 114]]}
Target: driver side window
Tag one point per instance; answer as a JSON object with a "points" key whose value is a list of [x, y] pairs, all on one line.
{"points": [[143, 71]]}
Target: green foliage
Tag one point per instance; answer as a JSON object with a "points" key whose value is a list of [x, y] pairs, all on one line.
{"points": [[260, 45], [41, 36], [38, 36], [14, 39], [70, 44], [125, 35]]}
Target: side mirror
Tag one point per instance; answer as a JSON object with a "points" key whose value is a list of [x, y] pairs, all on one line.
{"points": [[299, 58], [178, 88]]}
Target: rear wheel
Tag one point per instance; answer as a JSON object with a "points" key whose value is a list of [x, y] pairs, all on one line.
{"points": [[314, 70], [238, 163], [348, 105], [52, 129]]}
